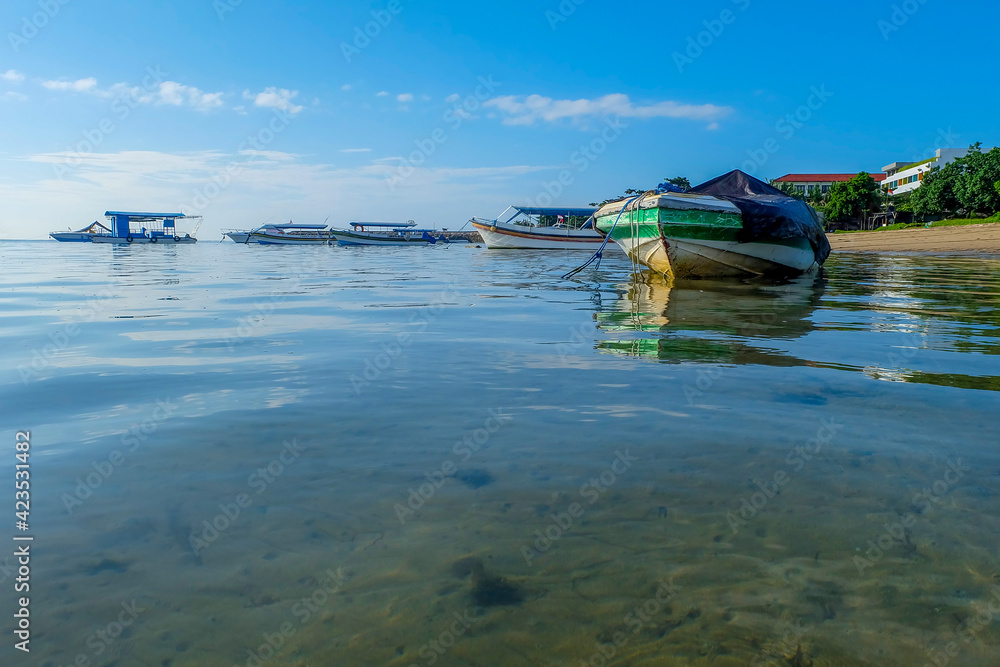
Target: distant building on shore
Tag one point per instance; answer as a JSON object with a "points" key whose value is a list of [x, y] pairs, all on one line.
{"points": [[808, 184], [908, 176]]}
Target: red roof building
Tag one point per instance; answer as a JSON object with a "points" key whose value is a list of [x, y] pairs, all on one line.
{"points": [[808, 183]]}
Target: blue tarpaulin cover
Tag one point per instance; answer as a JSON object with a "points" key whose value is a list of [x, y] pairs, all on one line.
{"points": [[768, 213]]}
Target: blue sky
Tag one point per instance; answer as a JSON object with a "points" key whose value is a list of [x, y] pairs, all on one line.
{"points": [[250, 110]]}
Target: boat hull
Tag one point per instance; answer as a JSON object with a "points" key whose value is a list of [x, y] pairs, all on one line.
{"points": [[72, 237], [519, 237], [283, 239], [160, 240], [697, 242], [346, 238], [697, 258], [239, 237]]}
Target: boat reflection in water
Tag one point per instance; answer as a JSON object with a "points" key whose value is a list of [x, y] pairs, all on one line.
{"points": [[710, 321]]}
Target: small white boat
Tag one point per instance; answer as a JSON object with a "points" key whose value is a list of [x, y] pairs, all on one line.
{"points": [[284, 234], [130, 228], [387, 233], [532, 228], [84, 235]]}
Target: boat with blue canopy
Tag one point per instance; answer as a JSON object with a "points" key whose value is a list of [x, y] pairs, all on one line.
{"points": [[540, 228], [132, 227], [387, 233]]}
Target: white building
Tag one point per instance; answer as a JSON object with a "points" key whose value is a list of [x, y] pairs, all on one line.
{"points": [[907, 176]]}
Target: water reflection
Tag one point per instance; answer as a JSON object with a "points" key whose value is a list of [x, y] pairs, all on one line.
{"points": [[908, 320], [725, 322]]}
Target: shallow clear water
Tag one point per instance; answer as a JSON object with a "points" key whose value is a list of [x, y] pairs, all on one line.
{"points": [[688, 474]]}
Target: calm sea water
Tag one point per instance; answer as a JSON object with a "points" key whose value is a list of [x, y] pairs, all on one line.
{"points": [[333, 456]]}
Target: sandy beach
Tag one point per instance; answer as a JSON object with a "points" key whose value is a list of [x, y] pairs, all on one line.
{"points": [[969, 238]]}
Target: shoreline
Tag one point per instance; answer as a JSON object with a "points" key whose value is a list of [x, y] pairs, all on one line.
{"points": [[984, 238]]}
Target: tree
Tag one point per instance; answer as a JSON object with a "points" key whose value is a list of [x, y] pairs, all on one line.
{"points": [[679, 181], [790, 190], [936, 195], [975, 187], [849, 200]]}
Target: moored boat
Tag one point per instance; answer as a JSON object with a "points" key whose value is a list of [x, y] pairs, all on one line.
{"points": [[284, 234], [387, 233], [534, 228], [734, 225], [85, 235], [129, 228]]}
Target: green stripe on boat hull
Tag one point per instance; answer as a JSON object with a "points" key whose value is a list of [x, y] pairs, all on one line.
{"points": [[701, 244]]}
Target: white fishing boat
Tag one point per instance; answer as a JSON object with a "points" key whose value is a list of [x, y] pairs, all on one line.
{"points": [[533, 228], [130, 228], [84, 235], [387, 233], [284, 234]]}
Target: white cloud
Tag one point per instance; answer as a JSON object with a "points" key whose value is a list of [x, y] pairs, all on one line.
{"points": [[529, 110], [275, 98], [404, 97], [382, 93], [12, 76], [267, 181], [346, 86], [425, 98], [169, 93], [11, 96], [454, 97], [79, 86], [355, 150], [175, 94]]}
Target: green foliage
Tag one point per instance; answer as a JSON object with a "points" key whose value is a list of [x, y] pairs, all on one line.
{"points": [[789, 189], [969, 183], [904, 202], [679, 181], [849, 200], [976, 188]]}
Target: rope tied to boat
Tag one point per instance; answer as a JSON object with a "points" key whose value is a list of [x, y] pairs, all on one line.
{"points": [[597, 256]]}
